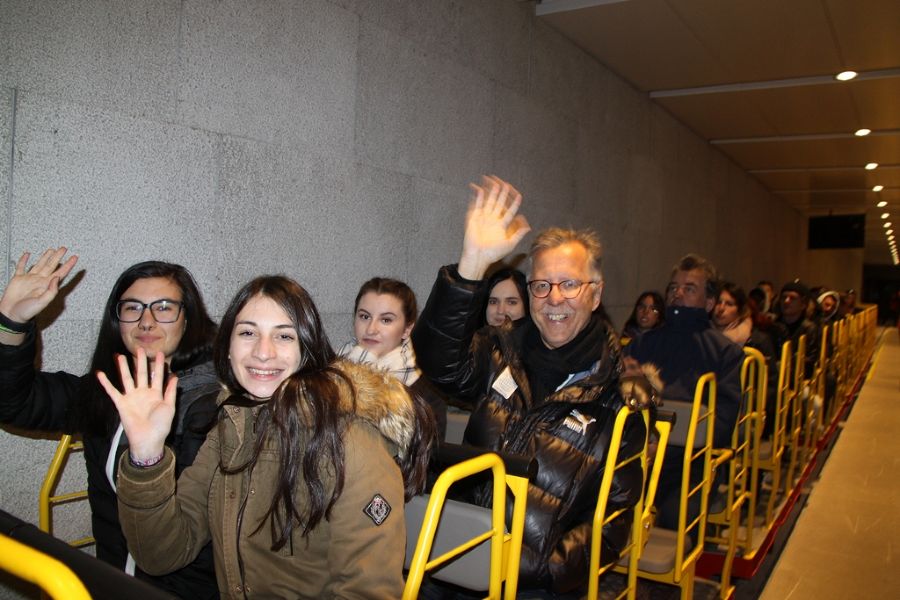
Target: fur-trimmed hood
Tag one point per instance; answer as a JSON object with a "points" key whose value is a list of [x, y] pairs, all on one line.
{"points": [[381, 400]]}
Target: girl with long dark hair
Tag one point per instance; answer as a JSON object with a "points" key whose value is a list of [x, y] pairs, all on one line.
{"points": [[301, 483], [154, 307]]}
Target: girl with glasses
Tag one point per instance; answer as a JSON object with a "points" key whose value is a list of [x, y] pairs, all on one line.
{"points": [[154, 307]]}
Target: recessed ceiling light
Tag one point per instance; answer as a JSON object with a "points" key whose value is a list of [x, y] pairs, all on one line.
{"points": [[862, 132], [871, 166], [882, 204], [846, 75], [887, 225], [890, 232], [885, 215], [877, 188]]}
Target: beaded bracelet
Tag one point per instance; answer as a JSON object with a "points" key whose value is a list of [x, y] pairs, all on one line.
{"points": [[143, 464], [10, 326]]}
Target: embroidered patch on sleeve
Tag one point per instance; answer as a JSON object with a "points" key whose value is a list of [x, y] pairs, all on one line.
{"points": [[378, 509]]}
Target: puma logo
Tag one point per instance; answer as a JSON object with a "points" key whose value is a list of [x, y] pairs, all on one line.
{"points": [[578, 422]]}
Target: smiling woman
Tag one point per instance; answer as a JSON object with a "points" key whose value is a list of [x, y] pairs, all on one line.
{"points": [[301, 483], [154, 307]]}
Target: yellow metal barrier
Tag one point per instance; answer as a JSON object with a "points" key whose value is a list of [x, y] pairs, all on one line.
{"points": [[46, 500], [505, 549], [51, 575], [632, 550], [669, 557]]}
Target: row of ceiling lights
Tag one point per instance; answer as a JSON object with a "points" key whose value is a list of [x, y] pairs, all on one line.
{"points": [[892, 242]]}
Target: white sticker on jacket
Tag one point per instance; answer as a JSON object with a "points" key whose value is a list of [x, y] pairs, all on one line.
{"points": [[505, 385]]}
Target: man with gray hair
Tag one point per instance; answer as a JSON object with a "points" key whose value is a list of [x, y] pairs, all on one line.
{"points": [[545, 386]]}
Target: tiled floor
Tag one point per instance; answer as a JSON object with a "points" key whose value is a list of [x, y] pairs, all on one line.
{"points": [[844, 541]]}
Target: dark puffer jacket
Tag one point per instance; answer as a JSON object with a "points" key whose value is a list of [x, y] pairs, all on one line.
{"points": [[37, 401], [568, 434]]}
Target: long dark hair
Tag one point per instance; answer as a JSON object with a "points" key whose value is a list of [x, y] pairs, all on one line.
{"points": [[302, 417], [517, 277], [99, 414], [631, 325]]}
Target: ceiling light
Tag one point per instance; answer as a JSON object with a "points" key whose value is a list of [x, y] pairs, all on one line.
{"points": [[887, 225], [862, 132], [877, 188], [882, 204], [846, 75], [885, 215], [890, 232], [871, 166]]}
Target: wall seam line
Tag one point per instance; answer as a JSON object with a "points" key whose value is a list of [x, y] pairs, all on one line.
{"points": [[9, 191]]}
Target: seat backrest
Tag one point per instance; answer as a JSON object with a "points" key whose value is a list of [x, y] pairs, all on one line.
{"points": [[457, 420], [459, 523], [454, 529]]}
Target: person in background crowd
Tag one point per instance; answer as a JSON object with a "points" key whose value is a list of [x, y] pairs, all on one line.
{"points": [[829, 303], [648, 313], [383, 317], [792, 324], [507, 297], [154, 307], [300, 484]]}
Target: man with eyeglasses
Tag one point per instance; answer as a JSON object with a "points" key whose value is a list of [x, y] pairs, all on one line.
{"points": [[545, 386], [686, 347]]}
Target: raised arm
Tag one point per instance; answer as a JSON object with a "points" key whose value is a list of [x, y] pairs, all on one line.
{"points": [[493, 227], [30, 291]]}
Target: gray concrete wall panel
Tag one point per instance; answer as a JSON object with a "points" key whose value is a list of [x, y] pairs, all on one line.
{"points": [[282, 72], [121, 55], [115, 189], [412, 116]]}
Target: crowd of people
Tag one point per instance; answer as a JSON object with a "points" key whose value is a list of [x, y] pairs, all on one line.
{"points": [[252, 458]]}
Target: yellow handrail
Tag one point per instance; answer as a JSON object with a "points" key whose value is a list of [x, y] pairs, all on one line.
{"points": [[45, 498], [506, 548], [36, 567]]}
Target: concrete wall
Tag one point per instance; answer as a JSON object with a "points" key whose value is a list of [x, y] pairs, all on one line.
{"points": [[837, 269], [333, 141]]}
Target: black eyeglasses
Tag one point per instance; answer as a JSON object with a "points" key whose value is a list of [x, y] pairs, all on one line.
{"points": [[164, 311], [570, 288]]}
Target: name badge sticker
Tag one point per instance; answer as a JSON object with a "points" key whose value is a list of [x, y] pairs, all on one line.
{"points": [[505, 385]]}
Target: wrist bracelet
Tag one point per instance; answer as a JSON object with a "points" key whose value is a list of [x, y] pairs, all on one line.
{"points": [[10, 326], [143, 464]]}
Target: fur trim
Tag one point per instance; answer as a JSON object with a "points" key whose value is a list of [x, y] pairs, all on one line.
{"points": [[651, 374], [380, 400]]}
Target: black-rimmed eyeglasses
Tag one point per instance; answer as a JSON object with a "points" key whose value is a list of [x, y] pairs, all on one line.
{"points": [[570, 288], [164, 311]]}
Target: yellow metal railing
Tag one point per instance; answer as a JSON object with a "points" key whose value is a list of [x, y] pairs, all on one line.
{"points": [[26, 563]]}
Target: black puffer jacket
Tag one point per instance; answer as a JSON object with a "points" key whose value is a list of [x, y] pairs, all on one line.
{"points": [[568, 434], [38, 401]]}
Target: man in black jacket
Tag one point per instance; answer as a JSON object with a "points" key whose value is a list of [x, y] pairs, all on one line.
{"points": [[686, 347], [546, 386]]}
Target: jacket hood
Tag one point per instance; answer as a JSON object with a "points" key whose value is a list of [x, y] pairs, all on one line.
{"points": [[381, 400]]}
